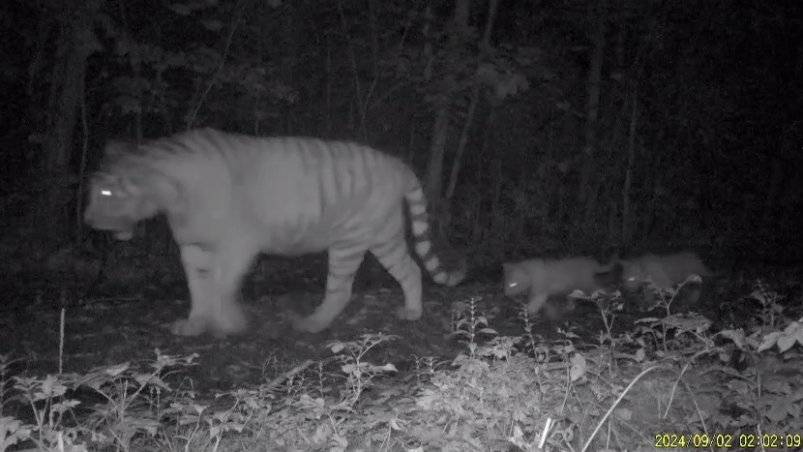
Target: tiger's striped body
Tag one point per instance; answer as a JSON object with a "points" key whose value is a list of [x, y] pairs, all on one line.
{"points": [[228, 197]]}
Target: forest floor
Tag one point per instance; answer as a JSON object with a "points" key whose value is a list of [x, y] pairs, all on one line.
{"points": [[470, 375]]}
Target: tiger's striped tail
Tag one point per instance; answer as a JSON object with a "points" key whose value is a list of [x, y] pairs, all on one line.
{"points": [[417, 205]]}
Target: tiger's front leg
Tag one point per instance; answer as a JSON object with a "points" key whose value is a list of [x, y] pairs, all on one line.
{"points": [[214, 282], [343, 265]]}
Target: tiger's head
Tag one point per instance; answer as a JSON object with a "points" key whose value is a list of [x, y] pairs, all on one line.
{"points": [[128, 188], [116, 203], [517, 280]]}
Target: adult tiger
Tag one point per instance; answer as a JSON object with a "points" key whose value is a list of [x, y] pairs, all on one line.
{"points": [[228, 197]]}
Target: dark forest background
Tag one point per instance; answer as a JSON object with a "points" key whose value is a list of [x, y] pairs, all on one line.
{"points": [[539, 127]]}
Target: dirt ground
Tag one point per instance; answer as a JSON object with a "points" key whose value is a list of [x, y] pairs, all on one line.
{"points": [[114, 323]]}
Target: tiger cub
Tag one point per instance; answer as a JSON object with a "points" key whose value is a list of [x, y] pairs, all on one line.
{"points": [[540, 278], [228, 197], [651, 271]]}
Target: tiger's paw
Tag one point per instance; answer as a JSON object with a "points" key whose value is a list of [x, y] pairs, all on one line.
{"points": [[230, 321], [308, 324], [191, 326], [220, 328], [406, 313]]}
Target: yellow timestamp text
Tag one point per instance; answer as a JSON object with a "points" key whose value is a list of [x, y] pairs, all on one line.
{"points": [[669, 440]]}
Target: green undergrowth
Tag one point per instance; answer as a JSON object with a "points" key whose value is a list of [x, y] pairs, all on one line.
{"points": [[670, 381]]}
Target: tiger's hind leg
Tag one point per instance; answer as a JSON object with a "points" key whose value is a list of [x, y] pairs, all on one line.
{"points": [[395, 257], [343, 265], [214, 283]]}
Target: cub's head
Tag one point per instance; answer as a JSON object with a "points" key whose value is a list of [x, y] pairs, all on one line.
{"points": [[517, 278], [633, 277]]}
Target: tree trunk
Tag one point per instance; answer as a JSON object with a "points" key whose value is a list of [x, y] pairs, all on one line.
{"points": [[627, 221], [495, 215], [76, 42], [586, 194], [200, 99], [437, 149], [774, 178], [360, 101], [485, 46], [440, 128], [783, 204]]}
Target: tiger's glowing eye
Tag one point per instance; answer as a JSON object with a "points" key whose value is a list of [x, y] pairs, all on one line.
{"points": [[105, 192]]}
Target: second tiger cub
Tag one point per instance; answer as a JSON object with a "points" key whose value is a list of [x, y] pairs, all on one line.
{"points": [[540, 278], [650, 272]]}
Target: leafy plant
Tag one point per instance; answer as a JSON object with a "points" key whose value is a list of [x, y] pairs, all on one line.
{"points": [[358, 372], [467, 323], [131, 406]]}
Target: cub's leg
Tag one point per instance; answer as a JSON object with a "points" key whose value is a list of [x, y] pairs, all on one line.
{"points": [[395, 257], [214, 283], [343, 264], [537, 301], [649, 295]]}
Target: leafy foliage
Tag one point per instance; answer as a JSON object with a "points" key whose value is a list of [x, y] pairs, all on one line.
{"points": [[669, 373]]}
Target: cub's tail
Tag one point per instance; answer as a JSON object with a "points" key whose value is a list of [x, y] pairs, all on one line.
{"points": [[417, 205]]}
